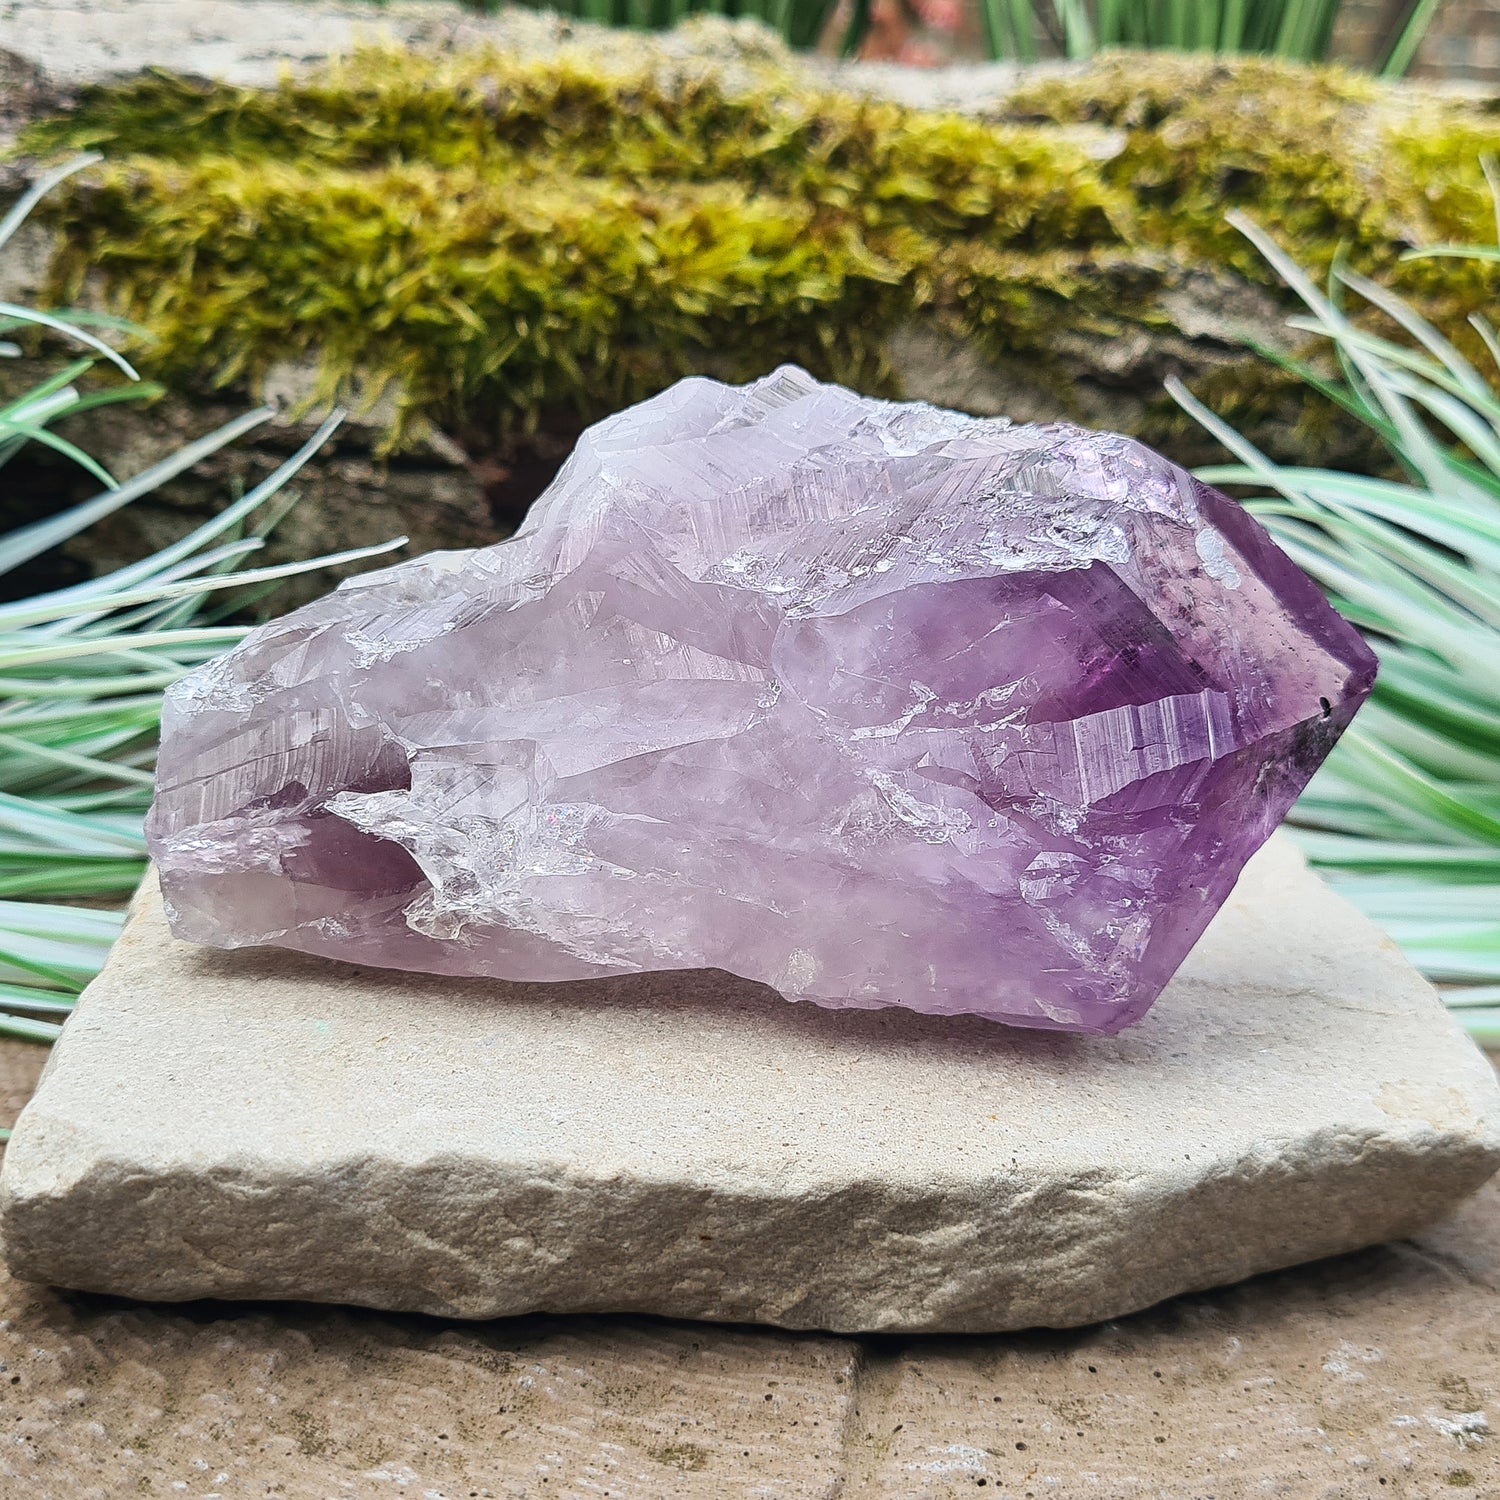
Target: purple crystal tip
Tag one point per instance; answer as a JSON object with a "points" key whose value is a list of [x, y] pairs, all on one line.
{"points": [[872, 702]]}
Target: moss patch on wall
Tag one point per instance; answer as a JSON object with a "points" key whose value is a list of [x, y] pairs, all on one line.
{"points": [[1322, 157], [505, 243]]}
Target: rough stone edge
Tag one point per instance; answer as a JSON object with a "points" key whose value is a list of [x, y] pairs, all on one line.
{"points": [[164, 1230]]}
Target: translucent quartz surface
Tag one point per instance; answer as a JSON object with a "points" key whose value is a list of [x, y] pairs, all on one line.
{"points": [[875, 703]]}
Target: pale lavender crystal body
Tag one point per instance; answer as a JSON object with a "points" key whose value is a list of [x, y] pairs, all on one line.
{"points": [[875, 703]]}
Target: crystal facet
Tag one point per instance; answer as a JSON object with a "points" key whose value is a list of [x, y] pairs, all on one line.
{"points": [[876, 703]]}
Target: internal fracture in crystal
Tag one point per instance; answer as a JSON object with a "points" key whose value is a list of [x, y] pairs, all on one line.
{"points": [[872, 702]]}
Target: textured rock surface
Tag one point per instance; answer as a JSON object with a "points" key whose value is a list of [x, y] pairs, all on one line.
{"points": [[264, 1125], [872, 702]]}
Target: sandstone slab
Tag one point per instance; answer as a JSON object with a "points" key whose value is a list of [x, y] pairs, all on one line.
{"points": [[264, 1125], [1376, 1374]]}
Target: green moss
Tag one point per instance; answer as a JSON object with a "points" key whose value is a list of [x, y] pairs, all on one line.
{"points": [[502, 242], [1015, 302], [505, 118], [1296, 147], [1327, 160], [1145, 90], [689, 1457], [470, 295]]}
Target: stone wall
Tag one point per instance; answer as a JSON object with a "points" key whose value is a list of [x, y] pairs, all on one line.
{"points": [[1462, 44]]}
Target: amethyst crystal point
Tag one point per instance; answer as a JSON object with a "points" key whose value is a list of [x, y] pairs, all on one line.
{"points": [[879, 704]]}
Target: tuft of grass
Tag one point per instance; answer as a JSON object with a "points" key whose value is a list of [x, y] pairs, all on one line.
{"points": [[82, 669], [1404, 818]]}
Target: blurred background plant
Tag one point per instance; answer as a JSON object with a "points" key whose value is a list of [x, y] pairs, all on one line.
{"points": [[1299, 30], [1404, 818], [82, 668]]}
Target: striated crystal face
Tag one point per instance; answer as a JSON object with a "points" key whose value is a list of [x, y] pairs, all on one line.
{"points": [[876, 703]]}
